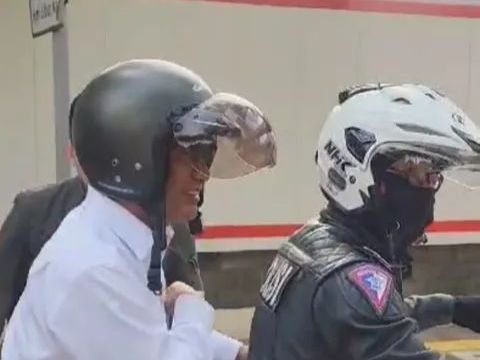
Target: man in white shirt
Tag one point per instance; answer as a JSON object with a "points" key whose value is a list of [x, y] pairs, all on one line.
{"points": [[147, 135]]}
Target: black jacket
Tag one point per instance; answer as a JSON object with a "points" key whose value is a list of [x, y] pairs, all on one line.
{"points": [[34, 218], [326, 298]]}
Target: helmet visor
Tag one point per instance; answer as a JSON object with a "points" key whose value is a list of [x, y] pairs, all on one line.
{"points": [[228, 134]]}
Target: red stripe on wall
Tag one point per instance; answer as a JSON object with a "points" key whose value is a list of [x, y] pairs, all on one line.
{"points": [[385, 6], [284, 230], [248, 231]]}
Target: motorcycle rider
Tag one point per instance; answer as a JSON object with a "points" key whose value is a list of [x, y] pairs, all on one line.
{"points": [[334, 290]]}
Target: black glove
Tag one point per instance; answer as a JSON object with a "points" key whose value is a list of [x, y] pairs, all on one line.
{"points": [[466, 312]]}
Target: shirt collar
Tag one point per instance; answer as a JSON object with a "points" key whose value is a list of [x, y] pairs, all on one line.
{"points": [[128, 228]]}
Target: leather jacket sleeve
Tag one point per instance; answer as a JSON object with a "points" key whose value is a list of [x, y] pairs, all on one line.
{"points": [[430, 310], [361, 316]]}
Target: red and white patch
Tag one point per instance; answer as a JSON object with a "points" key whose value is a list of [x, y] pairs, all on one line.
{"points": [[375, 283]]}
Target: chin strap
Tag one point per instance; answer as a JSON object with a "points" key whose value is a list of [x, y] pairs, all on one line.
{"points": [[158, 222], [395, 263]]}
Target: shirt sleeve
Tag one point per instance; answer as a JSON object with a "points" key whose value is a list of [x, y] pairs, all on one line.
{"points": [[108, 315], [224, 347]]}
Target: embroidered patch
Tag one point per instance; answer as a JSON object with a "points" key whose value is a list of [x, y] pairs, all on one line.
{"points": [[278, 276], [375, 283]]}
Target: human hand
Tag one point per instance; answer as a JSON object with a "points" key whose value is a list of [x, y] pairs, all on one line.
{"points": [[174, 291]]}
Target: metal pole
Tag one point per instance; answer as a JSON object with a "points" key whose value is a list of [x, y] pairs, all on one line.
{"points": [[61, 84]]}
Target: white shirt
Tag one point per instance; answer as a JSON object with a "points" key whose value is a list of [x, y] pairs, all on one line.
{"points": [[87, 298]]}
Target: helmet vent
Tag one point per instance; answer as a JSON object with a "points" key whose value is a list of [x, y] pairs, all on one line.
{"points": [[430, 96], [354, 90], [420, 129], [358, 142], [402, 100], [337, 179]]}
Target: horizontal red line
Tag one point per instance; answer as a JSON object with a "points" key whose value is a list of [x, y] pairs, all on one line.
{"points": [[386, 6], [284, 230]]}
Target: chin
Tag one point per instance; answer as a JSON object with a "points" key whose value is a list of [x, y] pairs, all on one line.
{"points": [[185, 214], [190, 215]]}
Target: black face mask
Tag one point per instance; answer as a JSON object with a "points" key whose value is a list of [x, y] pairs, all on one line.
{"points": [[404, 210], [398, 217]]}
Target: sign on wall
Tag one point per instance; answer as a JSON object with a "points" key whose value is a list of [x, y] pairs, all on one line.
{"points": [[46, 16]]}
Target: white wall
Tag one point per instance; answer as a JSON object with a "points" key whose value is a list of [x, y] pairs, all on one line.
{"points": [[291, 62], [26, 126]]}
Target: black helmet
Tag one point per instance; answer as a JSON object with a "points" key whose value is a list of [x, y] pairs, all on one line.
{"points": [[127, 118], [121, 129]]}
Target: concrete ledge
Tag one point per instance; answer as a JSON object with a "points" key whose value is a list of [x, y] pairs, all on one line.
{"points": [[455, 346], [235, 323], [467, 355]]}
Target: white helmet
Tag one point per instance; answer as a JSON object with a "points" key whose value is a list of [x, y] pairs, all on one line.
{"points": [[395, 120]]}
